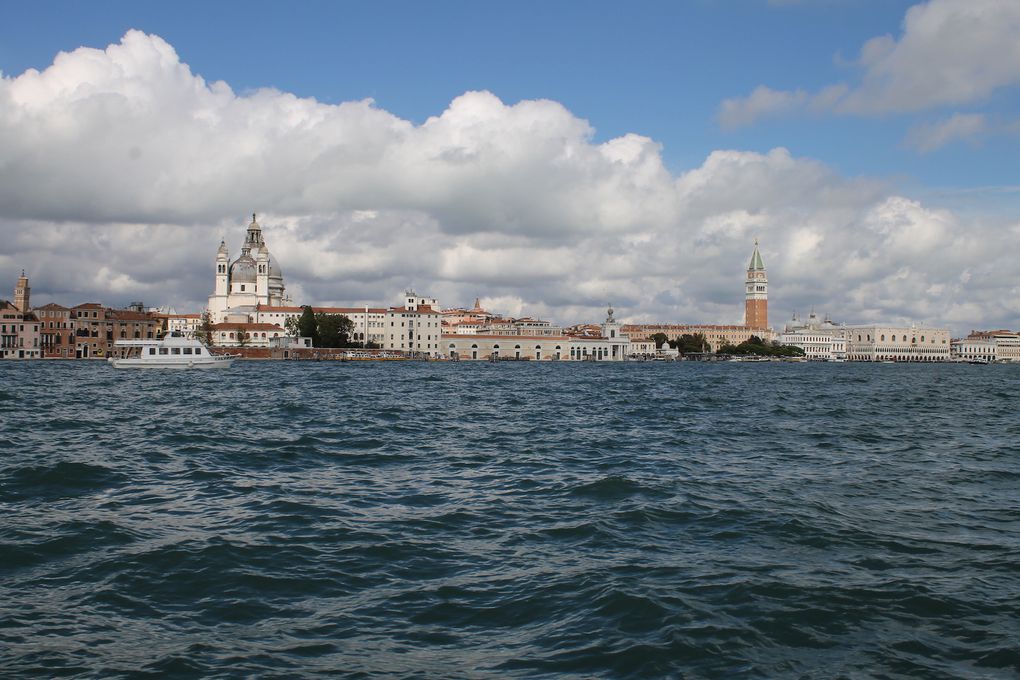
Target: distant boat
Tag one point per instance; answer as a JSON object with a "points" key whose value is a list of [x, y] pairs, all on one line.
{"points": [[173, 351], [978, 361]]}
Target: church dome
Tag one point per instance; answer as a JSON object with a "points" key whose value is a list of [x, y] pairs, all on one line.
{"points": [[274, 269], [243, 270]]}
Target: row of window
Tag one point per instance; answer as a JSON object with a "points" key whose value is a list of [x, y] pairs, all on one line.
{"points": [[903, 338], [175, 350]]}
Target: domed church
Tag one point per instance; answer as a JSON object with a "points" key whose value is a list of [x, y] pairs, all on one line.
{"points": [[254, 278]]}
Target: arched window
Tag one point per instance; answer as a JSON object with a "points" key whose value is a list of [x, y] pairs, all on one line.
{"points": [[883, 337]]}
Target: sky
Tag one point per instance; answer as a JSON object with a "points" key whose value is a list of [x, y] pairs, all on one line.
{"points": [[546, 157]]}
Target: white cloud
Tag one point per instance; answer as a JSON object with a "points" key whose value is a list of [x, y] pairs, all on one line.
{"points": [[763, 102], [120, 171], [950, 52], [928, 137]]}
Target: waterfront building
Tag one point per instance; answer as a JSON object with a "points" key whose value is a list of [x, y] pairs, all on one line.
{"points": [[232, 334], [715, 336], [607, 343], [501, 326], [369, 322], [756, 292], [485, 347], [876, 342], [642, 348], [90, 330], [457, 315], [56, 331], [253, 279], [1002, 346], [416, 326], [96, 328], [19, 332], [187, 325], [821, 339]]}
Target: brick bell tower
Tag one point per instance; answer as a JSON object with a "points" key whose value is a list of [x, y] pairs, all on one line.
{"points": [[22, 293], [756, 295]]}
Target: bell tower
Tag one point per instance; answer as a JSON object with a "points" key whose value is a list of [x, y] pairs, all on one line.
{"points": [[222, 272], [756, 293], [22, 293]]}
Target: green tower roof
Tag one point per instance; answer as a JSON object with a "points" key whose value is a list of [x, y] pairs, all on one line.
{"points": [[756, 263]]}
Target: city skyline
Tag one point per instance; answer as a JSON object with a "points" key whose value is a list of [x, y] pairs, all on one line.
{"points": [[130, 158]]}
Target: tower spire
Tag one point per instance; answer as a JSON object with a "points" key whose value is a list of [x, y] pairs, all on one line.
{"points": [[756, 293], [756, 262]]}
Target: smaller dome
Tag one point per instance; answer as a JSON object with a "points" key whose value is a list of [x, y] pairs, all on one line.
{"points": [[243, 270]]}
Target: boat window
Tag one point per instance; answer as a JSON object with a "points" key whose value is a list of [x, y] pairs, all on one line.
{"points": [[163, 350], [152, 350], [198, 350], [175, 350], [187, 350]]}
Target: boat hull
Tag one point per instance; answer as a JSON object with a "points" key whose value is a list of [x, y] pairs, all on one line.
{"points": [[205, 364]]}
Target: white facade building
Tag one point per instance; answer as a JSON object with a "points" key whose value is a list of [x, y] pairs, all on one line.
{"points": [[185, 324], [821, 339], [998, 346], [897, 343], [612, 344], [253, 279], [369, 322]]}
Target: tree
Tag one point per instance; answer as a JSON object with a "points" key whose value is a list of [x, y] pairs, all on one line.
{"points": [[242, 338], [293, 326], [691, 343], [659, 338], [334, 330], [307, 327], [205, 330]]}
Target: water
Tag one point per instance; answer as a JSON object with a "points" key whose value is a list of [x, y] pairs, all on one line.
{"points": [[513, 520]]}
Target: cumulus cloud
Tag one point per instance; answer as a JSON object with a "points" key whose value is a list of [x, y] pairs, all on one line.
{"points": [[120, 170], [950, 52]]}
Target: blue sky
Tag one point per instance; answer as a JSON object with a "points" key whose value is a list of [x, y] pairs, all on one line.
{"points": [[627, 150]]}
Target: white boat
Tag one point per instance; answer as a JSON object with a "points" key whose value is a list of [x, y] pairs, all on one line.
{"points": [[171, 351]]}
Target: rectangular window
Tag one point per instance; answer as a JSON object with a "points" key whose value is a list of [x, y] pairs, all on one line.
{"points": [[198, 350], [152, 350], [163, 350], [175, 350], [187, 350]]}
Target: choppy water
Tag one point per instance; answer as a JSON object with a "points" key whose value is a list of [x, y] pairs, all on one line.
{"points": [[516, 520]]}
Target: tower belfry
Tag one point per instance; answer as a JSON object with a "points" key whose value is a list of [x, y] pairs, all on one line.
{"points": [[756, 292]]}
